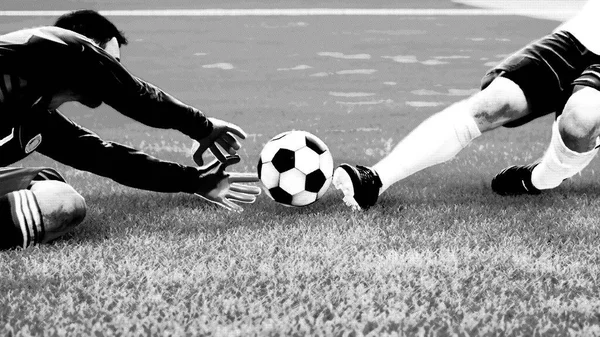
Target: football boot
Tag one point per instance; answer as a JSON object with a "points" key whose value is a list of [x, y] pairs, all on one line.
{"points": [[515, 180], [359, 184]]}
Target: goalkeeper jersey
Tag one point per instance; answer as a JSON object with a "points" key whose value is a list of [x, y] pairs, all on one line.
{"points": [[40, 64]]}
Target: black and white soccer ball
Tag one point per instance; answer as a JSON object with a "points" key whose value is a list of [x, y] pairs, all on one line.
{"points": [[296, 168]]}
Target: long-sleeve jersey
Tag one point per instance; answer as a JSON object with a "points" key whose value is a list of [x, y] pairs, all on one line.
{"points": [[39, 64]]}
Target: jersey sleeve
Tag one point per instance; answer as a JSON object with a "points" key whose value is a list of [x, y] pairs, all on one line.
{"points": [[77, 65], [56, 61], [74, 145], [110, 82]]}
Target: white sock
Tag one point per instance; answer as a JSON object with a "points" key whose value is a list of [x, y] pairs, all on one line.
{"points": [[436, 140], [559, 162]]}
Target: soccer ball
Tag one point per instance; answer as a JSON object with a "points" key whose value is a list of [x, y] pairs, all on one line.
{"points": [[296, 168]]}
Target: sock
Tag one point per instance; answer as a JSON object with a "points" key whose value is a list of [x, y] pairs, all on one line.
{"points": [[436, 140], [20, 220], [559, 162]]}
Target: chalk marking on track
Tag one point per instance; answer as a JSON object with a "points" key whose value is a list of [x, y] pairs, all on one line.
{"points": [[293, 12]]}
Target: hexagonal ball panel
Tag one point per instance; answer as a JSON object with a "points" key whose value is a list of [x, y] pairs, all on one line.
{"points": [[281, 196], [269, 150], [324, 188], [292, 181], [284, 160], [268, 175], [314, 181], [326, 164], [294, 140], [259, 167], [304, 198], [307, 160], [315, 143]]}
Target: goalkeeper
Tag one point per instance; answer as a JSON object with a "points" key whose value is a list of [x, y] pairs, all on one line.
{"points": [[78, 59]]}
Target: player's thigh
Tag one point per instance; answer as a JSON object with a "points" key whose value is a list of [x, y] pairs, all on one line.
{"points": [[539, 81], [61, 206], [500, 102]]}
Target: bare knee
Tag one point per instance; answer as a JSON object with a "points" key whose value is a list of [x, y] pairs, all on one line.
{"points": [[61, 206], [501, 102], [579, 124]]}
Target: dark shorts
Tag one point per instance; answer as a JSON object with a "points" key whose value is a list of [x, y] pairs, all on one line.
{"points": [[547, 70], [20, 178]]}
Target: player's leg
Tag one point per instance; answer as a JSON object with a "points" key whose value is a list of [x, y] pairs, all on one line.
{"points": [[527, 85], [574, 139], [62, 208], [33, 212], [572, 147], [436, 140], [442, 136]]}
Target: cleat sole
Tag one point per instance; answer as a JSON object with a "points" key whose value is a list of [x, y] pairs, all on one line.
{"points": [[342, 181]]}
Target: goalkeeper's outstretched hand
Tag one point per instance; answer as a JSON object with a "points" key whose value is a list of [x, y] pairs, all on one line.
{"points": [[224, 135], [226, 189]]}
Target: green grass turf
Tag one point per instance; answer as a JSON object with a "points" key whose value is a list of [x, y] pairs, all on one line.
{"points": [[439, 255]]}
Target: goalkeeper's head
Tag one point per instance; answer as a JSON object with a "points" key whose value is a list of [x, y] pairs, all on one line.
{"points": [[96, 27]]}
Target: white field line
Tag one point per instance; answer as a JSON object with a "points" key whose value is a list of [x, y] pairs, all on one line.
{"points": [[299, 12]]}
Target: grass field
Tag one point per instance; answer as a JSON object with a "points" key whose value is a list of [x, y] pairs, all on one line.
{"points": [[439, 255]]}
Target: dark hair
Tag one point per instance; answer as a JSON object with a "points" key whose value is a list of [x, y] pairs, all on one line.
{"points": [[91, 24]]}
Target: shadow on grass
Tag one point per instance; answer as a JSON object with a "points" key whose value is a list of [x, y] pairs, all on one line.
{"points": [[113, 214], [412, 205], [473, 215], [475, 192]]}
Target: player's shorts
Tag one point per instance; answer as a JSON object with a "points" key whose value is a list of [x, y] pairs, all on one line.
{"points": [[20, 178], [547, 70]]}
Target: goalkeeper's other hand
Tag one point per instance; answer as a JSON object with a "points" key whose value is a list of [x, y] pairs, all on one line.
{"points": [[224, 135], [226, 189]]}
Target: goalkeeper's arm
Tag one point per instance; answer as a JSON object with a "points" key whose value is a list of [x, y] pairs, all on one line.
{"points": [[73, 145], [104, 78]]}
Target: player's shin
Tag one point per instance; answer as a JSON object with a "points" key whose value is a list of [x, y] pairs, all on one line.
{"points": [[436, 140], [21, 222]]}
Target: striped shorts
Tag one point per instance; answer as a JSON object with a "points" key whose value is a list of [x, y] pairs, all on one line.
{"points": [[547, 70]]}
